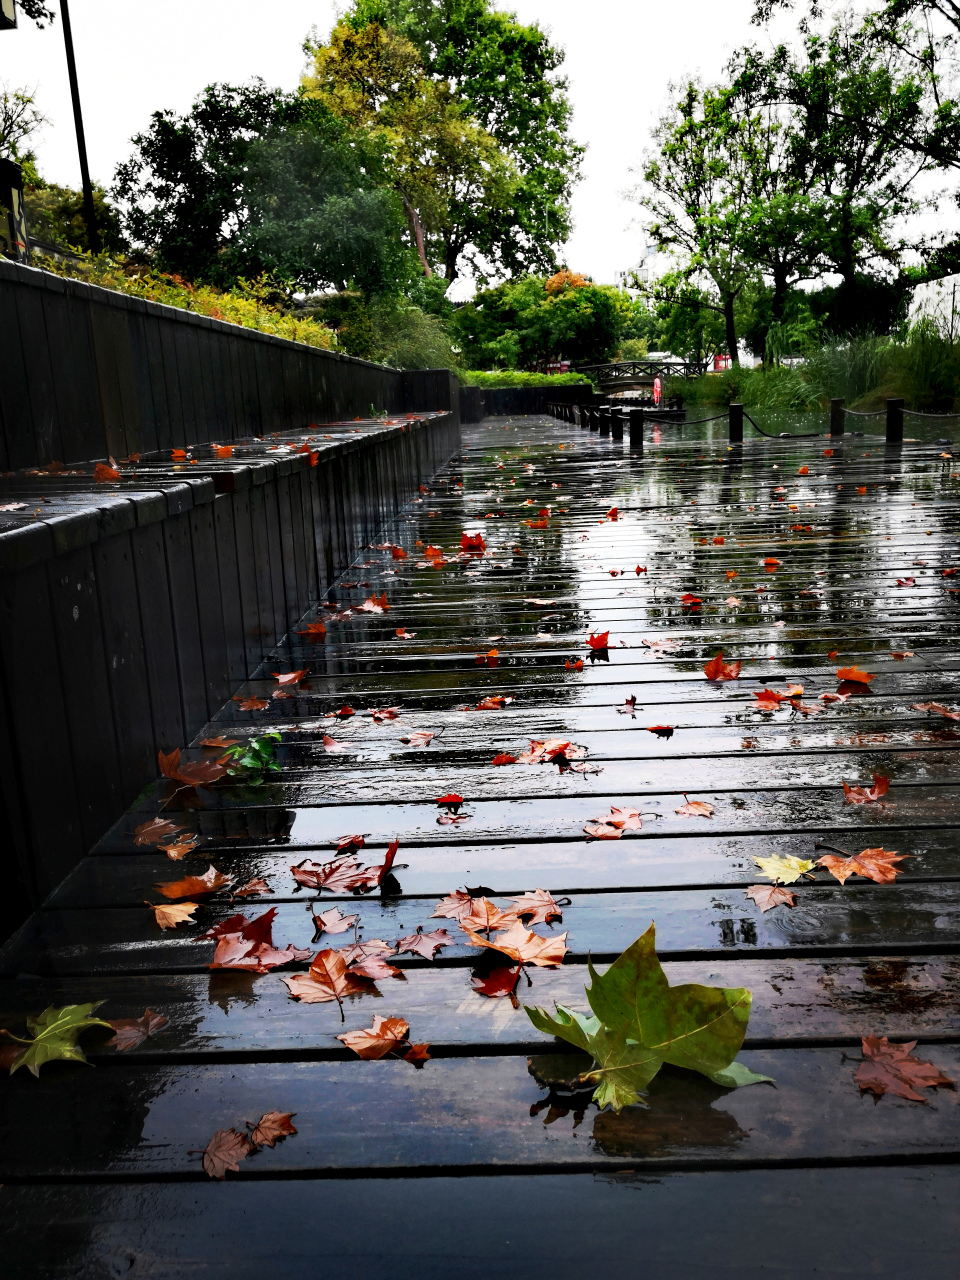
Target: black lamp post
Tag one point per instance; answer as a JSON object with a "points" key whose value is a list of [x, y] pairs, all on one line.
{"points": [[89, 213], [8, 19]]}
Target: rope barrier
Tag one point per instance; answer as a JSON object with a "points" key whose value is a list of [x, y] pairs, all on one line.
{"points": [[801, 435], [866, 413], [917, 414]]}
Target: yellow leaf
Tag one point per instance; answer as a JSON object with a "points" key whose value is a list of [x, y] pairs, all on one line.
{"points": [[786, 870]]}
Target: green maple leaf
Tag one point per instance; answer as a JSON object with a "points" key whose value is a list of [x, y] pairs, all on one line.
{"points": [[55, 1034], [640, 1022]]}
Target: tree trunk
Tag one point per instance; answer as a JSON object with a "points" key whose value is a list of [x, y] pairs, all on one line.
{"points": [[417, 231], [731, 328]]}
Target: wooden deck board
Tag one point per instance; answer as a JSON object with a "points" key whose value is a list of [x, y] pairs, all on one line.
{"points": [[845, 962]]}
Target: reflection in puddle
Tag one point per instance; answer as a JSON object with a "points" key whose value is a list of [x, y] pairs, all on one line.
{"points": [[680, 1114]]}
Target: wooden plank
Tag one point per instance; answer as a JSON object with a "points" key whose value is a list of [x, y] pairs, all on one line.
{"points": [[454, 1224], [460, 1113], [229, 1014], [827, 920]]}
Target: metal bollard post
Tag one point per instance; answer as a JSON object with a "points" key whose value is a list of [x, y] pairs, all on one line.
{"points": [[736, 424], [894, 420], [836, 417], [594, 423], [616, 423], [605, 416], [636, 431]]}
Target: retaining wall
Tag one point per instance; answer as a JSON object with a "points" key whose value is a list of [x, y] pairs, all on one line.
{"points": [[130, 611]]}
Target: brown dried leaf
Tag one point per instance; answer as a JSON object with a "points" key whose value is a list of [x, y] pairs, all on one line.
{"points": [[326, 980], [155, 830], [209, 882], [377, 1041], [873, 864], [271, 1128], [768, 896], [168, 917], [224, 1151], [425, 944], [892, 1068], [867, 795], [525, 946], [131, 1032], [540, 906]]}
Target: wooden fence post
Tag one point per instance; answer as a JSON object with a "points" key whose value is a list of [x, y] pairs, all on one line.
{"points": [[736, 424]]}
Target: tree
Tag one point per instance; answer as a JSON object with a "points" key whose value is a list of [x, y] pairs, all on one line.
{"points": [[505, 75], [20, 118], [183, 187], [318, 213], [533, 322], [851, 106], [37, 10], [698, 189], [442, 163]]}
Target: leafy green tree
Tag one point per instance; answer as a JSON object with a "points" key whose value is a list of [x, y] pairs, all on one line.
{"points": [[533, 322], [505, 74], [315, 216], [698, 189], [440, 161], [183, 187]]}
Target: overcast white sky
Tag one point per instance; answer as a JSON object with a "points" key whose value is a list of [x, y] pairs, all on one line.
{"points": [[134, 58]]}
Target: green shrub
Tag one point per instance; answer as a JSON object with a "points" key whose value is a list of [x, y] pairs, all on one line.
{"points": [[521, 378], [252, 304]]}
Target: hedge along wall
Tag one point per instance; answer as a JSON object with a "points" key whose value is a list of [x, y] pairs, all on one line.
{"points": [[130, 612], [87, 373]]}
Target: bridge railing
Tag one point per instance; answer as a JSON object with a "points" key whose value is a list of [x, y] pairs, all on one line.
{"points": [[630, 370]]}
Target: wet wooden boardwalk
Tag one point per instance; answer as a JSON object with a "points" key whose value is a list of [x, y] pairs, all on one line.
{"points": [[801, 564]]}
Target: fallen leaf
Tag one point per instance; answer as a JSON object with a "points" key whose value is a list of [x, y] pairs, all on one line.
{"points": [[540, 906], [892, 1068], [250, 704], [661, 730], [200, 773], [180, 848], [417, 1053], [574, 666], [451, 799], [472, 542], [495, 702], [629, 706], [256, 885], [424, 944], [854, 675], [717, 669], [768, 896], [906, 582], [224, 1151], [694, 808], [640, 1022], [209, 882], [931, 706], [867, 795], [402, 633], [248, 944], [334, 876], [732, 600], [599, 641], [332, 921], [398, 553], [332, 745], [104, 474], [289, 678], [131, 1032], [271, 1128], [523, 945], [499, 983], [327, 979], [491, 659], [377, 1041], [55, 1035], [454, 906], [787, 869], [613, 825], [873, 864], [168, 917], [219, 741], [688, 598], [902, 656], [485, 916]]}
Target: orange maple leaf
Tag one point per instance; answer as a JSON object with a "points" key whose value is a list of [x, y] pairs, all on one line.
{"points": [[717, 669], [874, 864], [209, 882], [523, 945], [599, 641], [385, 1035], [867, 795]]}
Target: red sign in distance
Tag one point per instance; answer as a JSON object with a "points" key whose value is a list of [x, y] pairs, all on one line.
{"points": [[657, 390]]}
